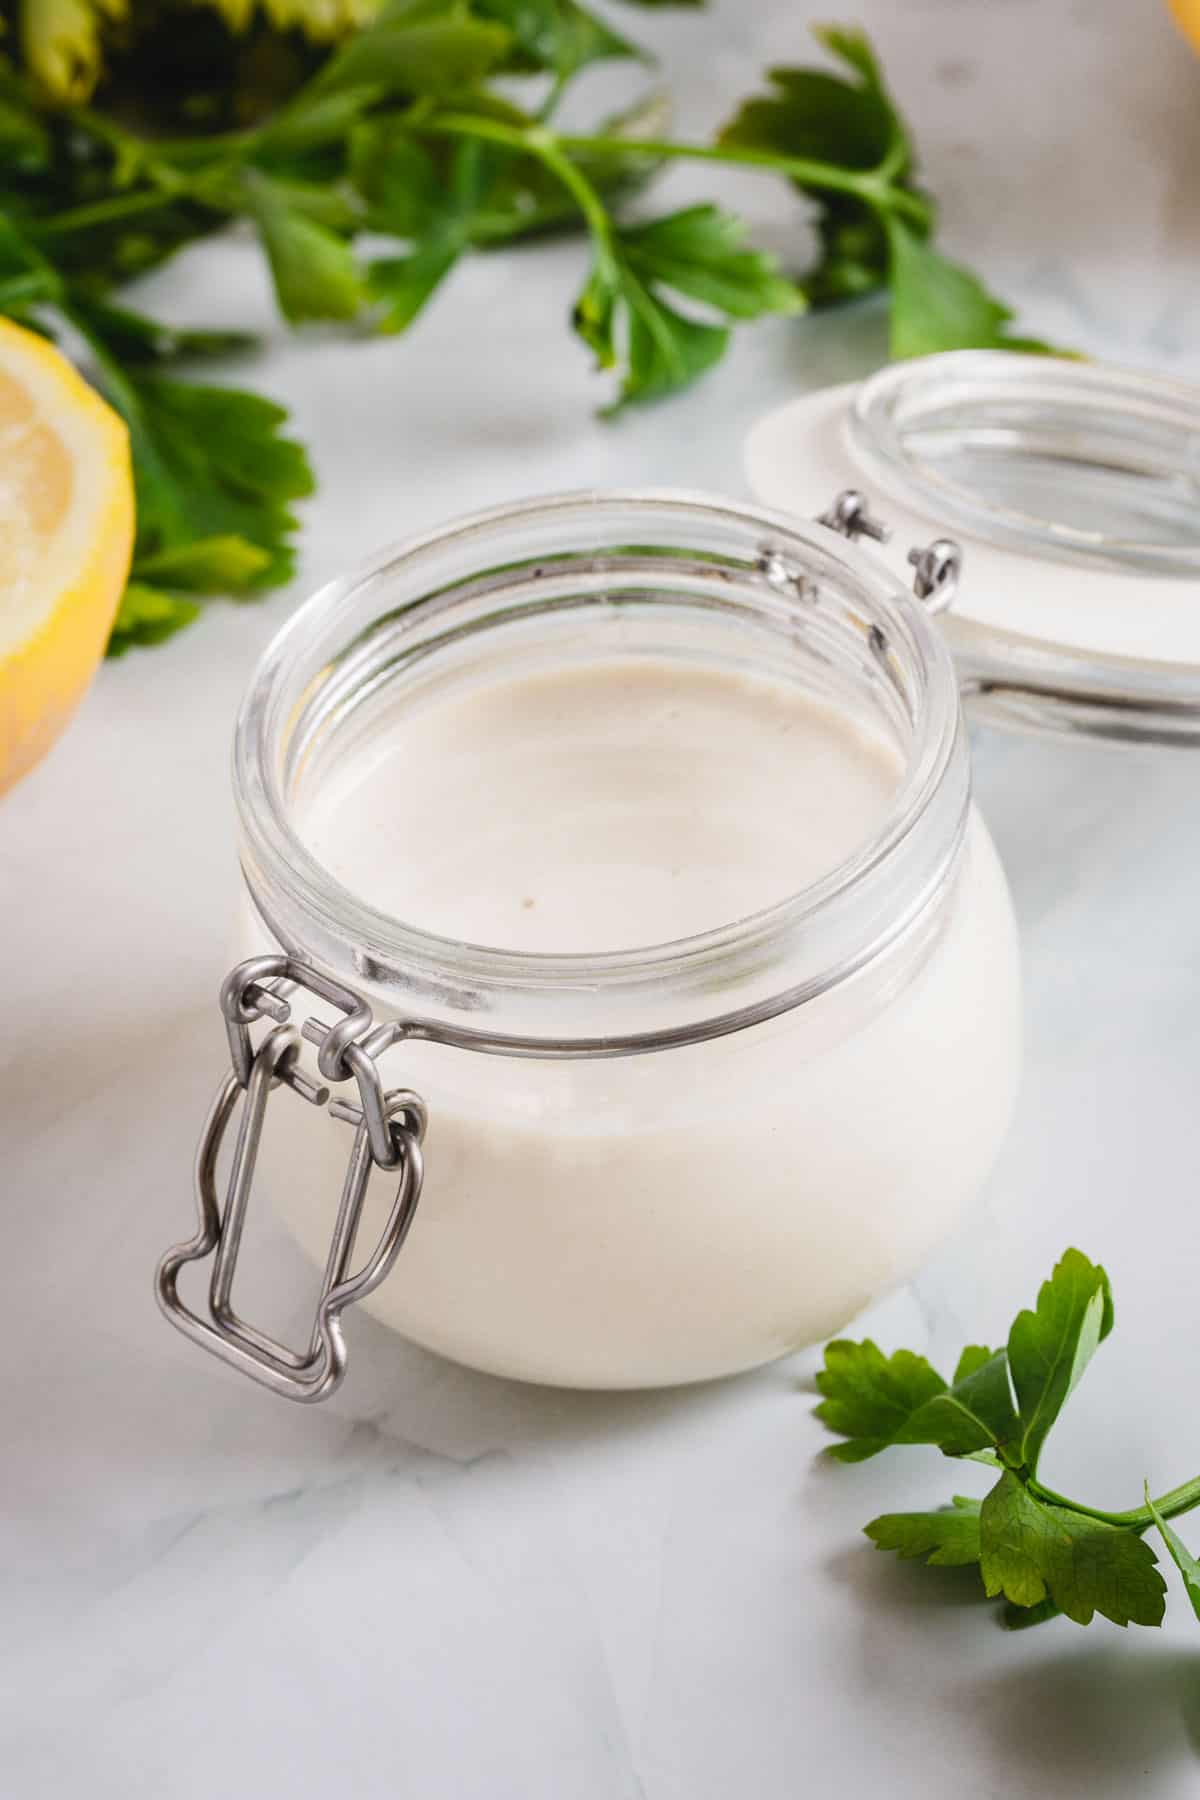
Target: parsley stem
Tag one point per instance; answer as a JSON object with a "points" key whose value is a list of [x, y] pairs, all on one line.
{"points": [[549, 106], [895, 160], [577, 185], [1179, 1500], [873, 186], [101, 212], [160, 152], [547, 147]]}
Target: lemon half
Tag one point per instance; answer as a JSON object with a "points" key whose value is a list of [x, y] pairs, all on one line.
{"points": [[66, 537], [1187, 17]]}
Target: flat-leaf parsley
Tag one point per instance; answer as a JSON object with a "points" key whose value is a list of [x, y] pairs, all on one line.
{"points": [[1043, 1554], [129, 128]]}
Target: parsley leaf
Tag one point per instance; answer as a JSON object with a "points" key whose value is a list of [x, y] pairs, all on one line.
{"points": [[697, 253], [215, 464], [213, 473], [824, 117], [555, 34], [148, 615], [981, 1387], [1049, 1348], [853, 260], [26, 278], [871, 1399], [874, 233], [1044, 1554], [397, 178], [311, 121], [662, 350], [24, 140], [939, 305], [876, 1401], [1030, 1551], [314, 271], [406, 196], [214, 476], [209, 565], [402, 284], [846, 124], [948, 1538], [137, 339], [418, 47], [1181, 1556]]}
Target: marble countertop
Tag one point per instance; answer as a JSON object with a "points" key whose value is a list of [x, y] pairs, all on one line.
{"points": [[443, 1587]]}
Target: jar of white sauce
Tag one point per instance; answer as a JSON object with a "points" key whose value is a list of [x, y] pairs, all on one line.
{"points": [[642, 825]]}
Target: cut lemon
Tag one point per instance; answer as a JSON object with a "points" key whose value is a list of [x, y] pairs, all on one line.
{"points": [[1187, 17], [66, 536]]}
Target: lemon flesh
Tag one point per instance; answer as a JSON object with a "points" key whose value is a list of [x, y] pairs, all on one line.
{"points": [[1187, 17], [66, 537]]}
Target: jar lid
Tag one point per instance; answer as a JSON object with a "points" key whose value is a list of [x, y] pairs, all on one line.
{"points": [[1074, 489]]}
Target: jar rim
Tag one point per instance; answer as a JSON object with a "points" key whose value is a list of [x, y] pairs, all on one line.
{"points": [[293, 890]]}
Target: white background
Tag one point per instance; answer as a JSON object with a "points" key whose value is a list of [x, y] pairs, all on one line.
{"points": [[443, 1587]]}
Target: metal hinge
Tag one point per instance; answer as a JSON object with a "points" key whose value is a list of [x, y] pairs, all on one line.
{"points": [[937, 565]]}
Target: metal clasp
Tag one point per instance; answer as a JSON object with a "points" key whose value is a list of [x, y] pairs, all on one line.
{"points": [[937, 565], [389, 1127]]}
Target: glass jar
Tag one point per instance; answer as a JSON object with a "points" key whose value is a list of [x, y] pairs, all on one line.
{"points": [[1073, 488], [643, 1166]]}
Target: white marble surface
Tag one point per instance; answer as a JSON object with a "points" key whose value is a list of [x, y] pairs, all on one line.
{"points": [[443, 1587]]}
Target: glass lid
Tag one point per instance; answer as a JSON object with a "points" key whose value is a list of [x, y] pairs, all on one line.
{"points": [[1074, 489], [1071, 460]]}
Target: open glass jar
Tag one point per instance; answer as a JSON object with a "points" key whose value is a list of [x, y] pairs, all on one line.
{"points": [[644, 1164]]}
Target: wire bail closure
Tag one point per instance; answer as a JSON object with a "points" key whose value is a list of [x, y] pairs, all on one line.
{"points": [[388, 1130]]}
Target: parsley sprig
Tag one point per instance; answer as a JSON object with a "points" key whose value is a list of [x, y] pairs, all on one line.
{"points": [[1042, 1553], [134, 127]]}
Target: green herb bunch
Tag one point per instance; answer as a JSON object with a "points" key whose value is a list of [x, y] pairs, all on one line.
{"points": [[129, 128], [1042, 1553]]}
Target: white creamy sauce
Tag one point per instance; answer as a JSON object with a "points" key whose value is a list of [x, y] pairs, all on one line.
{"points": [[642, 1220], [601, 808]]}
